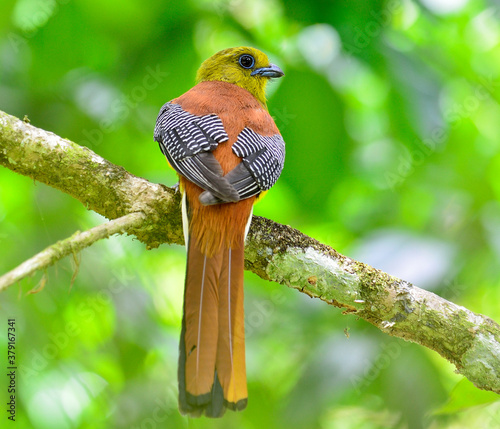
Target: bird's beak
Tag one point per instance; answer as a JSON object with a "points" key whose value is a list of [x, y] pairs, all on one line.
{"points": [[272, 70]]}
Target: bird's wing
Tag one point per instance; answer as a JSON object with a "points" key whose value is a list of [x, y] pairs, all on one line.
{"points": [[188, 141], [263, 158]]}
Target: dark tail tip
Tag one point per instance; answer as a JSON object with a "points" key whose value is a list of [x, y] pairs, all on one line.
{"points": [[211, 404]]}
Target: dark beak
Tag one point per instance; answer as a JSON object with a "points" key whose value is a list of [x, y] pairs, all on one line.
{"points": [[270, 71]]}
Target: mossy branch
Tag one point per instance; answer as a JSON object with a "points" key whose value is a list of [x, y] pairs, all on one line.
{"points": [[75, 243], [274, 252]]}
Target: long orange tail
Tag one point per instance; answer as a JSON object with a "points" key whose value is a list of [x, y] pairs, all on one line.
{"points": [[212, 374]]}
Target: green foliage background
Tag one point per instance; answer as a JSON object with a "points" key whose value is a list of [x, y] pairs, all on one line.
{"points": [[390, 111]]}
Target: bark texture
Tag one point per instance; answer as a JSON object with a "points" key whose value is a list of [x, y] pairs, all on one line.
{"points": [[274, 252]]}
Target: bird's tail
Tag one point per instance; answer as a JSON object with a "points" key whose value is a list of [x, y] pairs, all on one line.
{"points": [[212, 374]]}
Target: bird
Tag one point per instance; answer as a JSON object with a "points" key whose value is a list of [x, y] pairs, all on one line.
{"points": [[228, 152]]}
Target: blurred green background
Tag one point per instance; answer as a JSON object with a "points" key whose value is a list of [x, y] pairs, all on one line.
{"points": [[391, 115]]}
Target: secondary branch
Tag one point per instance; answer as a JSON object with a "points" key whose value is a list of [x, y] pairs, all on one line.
{"points": [[73, 244]]}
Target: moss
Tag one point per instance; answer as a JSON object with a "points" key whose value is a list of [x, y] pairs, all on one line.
{"points": [[275, 252]]}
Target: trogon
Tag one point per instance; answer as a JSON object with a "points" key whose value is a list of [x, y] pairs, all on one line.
{"points": [[223, 143]]}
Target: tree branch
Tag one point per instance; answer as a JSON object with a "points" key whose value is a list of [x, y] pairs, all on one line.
{"points": [[274, 252], [73, 244]]}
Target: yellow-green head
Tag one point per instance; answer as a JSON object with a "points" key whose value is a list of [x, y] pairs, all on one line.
{"points": [[243, 66]]}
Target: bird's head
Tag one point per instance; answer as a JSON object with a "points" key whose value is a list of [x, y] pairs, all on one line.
{"points": [[246, 67]]}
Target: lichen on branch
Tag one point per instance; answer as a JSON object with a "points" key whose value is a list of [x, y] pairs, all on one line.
{"points": [[275, 252]]}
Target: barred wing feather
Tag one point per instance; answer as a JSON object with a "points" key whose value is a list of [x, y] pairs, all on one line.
{"points": [[188, 141]]}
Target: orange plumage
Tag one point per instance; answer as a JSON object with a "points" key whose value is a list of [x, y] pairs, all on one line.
{"points": [[237, 109], [201, 132]]}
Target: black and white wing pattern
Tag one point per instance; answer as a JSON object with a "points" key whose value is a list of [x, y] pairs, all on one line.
{"points": [[188, 141], [263, 158]]}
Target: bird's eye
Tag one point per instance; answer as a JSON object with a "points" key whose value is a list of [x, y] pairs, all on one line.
{"points": [[246, 61]]}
